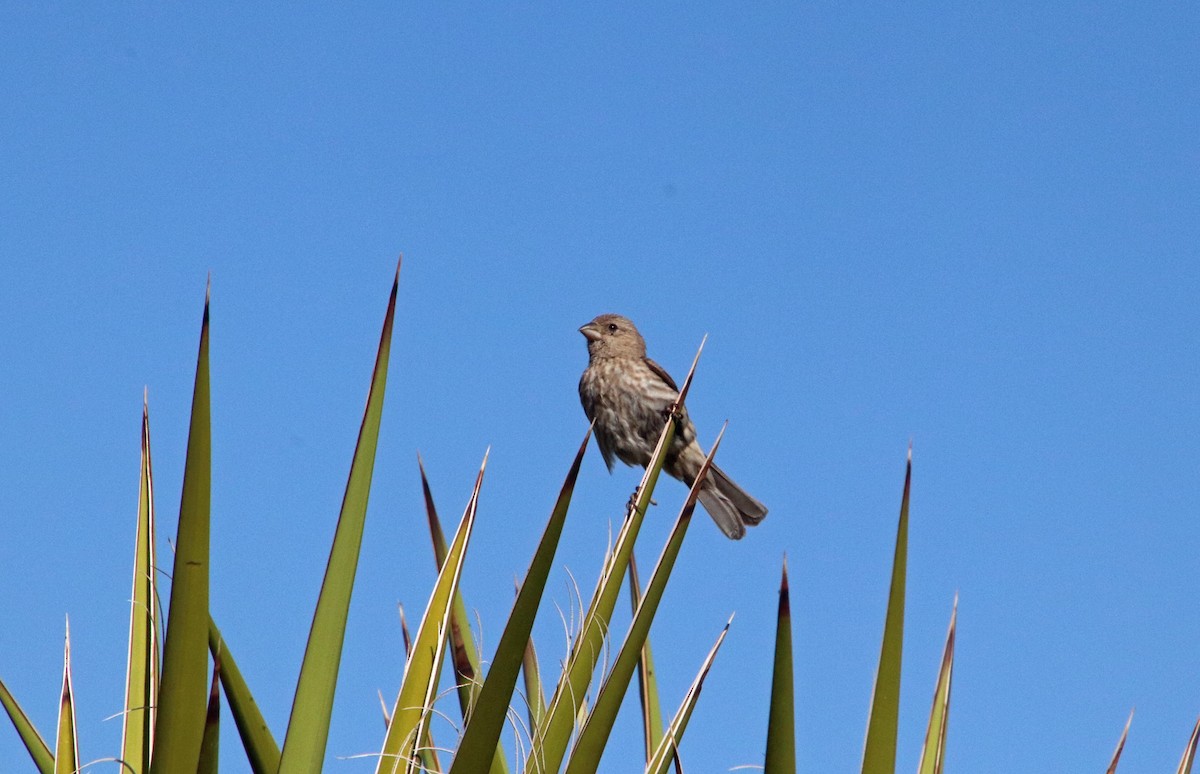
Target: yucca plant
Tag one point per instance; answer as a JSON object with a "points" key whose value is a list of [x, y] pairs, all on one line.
{"points": [[172, 705]]}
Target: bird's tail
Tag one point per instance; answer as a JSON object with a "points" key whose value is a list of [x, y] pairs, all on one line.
{"points": [[730, 506]]}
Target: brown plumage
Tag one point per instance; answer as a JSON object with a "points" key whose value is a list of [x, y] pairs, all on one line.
{"points": [[628, 395]]}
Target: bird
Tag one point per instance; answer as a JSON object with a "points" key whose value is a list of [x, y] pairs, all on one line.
{"points": [[628, 396]]}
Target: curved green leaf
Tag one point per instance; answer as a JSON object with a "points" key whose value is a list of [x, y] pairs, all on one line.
{"points": [[414, 705], [179, 727], [934, 752], [585, 757], [781, 725], [39, 751], [1116, 757], [141, 681], [535, 697], [464, 656], [669, 746], [480, 741], [262, 751], [66, 753], [652, 723], [1189, 752], [553, 735], [879, 751], [210, 745], [308, 727]]}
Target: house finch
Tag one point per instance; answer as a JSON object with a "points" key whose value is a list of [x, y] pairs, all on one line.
{"points": [[628, 396]]}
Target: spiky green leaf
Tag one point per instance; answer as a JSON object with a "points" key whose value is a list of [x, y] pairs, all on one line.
{"points": [[585, 757], [262, 751], [652, 723], [933, 753], [1116, 756], [1189, 752], [482, 735], [141, 676], [414, 704], [781, 724], [879, 751], [66, 752], [210, 745], [668, 748], [39, 751], [312, 707], [179, 726], [464, 656]]}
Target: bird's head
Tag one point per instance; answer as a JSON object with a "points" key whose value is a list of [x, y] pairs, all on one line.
{"points": [[611, 335]]}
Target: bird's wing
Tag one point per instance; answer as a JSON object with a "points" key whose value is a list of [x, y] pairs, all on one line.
{"points": [[684, 426], [661, 373]]}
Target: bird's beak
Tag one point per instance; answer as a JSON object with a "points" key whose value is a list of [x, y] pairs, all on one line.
{"points": [[590, 332]]}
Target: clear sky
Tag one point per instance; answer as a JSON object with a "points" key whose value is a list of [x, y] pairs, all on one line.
{"points": [[972, 226]]}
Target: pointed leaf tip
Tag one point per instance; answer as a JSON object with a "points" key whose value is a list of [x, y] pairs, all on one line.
{"points": [[1116, 757], [687, 380]]}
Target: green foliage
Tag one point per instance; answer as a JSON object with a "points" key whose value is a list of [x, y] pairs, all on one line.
{"points": [[142, 667], [39, 751], [308, 728], [183, 693], [781, 725], [480, 740], [66, 749], [879, 752], [171, 722]]}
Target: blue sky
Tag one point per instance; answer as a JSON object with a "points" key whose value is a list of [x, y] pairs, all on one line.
{"points": [[974, 227]]}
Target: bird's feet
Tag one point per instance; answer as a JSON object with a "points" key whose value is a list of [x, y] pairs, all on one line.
{"points": [[632, 504]]}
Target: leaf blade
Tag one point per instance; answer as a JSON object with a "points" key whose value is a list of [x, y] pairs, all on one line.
{"points": [[585, 757], [781, 724], [142, 667], [262, 751], [933, 753], [669, 746], [879, 750], [66, 749], [1116, 756], [482, 734], [410, 715], [179, 726], [1189, 752], [39, 751], [308, 727]]}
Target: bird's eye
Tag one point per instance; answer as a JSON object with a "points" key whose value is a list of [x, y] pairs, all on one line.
{"points": [[612, 327]]}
